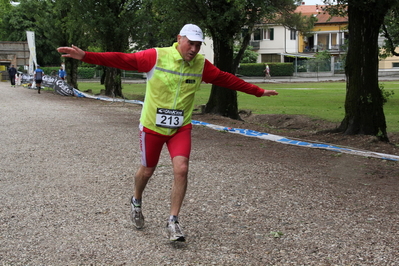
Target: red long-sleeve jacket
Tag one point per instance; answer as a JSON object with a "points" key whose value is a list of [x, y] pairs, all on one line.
{"points": [[144, 61]]}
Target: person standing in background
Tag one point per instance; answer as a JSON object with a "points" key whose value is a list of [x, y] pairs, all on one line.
{"points": [[61, 73], [11, 73], [267, 72], [39, 73]]}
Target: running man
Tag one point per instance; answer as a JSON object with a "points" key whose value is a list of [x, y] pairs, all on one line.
{"points": [[173, 76]]}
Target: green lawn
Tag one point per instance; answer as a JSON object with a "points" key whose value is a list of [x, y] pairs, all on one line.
{"points": [[319, 100]]}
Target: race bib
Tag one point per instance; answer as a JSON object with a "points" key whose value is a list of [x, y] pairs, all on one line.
{"points": [[169, 118]]}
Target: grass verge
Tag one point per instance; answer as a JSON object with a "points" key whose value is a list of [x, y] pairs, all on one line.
{"points": [[323, 100]]}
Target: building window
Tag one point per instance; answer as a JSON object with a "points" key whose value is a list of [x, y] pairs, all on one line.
{"points": [[263, 34], [395, 64], [257, 34], [270, 58], [268, 34], [292, 34]]}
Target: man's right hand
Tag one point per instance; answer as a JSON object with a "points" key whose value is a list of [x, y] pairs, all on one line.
{"points": [[73, 52]]}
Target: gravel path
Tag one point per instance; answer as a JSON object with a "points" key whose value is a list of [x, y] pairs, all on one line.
{"points": [[66, 167]]}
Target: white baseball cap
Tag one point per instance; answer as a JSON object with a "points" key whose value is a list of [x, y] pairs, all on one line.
{"points": [[192, 32]]}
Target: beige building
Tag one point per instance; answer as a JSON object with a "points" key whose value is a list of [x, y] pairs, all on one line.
{"points": [[13, 53], [390, 63]]}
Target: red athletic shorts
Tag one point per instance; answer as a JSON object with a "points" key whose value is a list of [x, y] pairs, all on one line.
{"points": [[151, 144]]}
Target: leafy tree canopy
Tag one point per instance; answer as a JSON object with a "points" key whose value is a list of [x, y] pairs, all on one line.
{"points": [[28, 16]]}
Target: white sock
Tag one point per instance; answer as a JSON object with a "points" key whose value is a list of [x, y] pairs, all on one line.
{"points": [[136, 202], [173, 218]]}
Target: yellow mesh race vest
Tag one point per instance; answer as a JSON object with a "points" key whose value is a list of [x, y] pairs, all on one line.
{"points": [[170, 91]]}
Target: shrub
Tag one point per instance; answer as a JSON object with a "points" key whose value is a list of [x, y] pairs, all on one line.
{"points": [[86, 72]]}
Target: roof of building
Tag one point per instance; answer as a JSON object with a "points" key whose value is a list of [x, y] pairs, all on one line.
{"points": [[322, 16]]}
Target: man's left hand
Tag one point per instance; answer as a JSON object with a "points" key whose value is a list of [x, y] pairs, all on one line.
{"points": [[269, 93]]}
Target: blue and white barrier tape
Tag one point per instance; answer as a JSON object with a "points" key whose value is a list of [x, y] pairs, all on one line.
{"points": [[283, 140], [80, 94], [266, 136]]}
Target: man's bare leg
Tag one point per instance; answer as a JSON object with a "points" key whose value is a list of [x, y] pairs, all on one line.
{"points": [[180, 170], [141, 178]]}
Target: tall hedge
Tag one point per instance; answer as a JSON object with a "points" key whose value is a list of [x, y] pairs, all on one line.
{"points": [[257, 69]]}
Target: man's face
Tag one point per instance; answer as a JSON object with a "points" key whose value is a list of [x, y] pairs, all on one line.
{"points": [[187, 49]]}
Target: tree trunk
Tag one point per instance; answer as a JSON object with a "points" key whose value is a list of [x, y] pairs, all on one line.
{"points": [[364, 100], [102, 79], [223, 101], [72, 76], [113, 84]]}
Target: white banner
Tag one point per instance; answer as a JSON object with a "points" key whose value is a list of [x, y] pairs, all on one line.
{"points": [[30, 35]]}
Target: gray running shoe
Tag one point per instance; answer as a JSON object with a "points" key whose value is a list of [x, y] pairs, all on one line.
{"points": [[137, 216], [175, 232]]}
